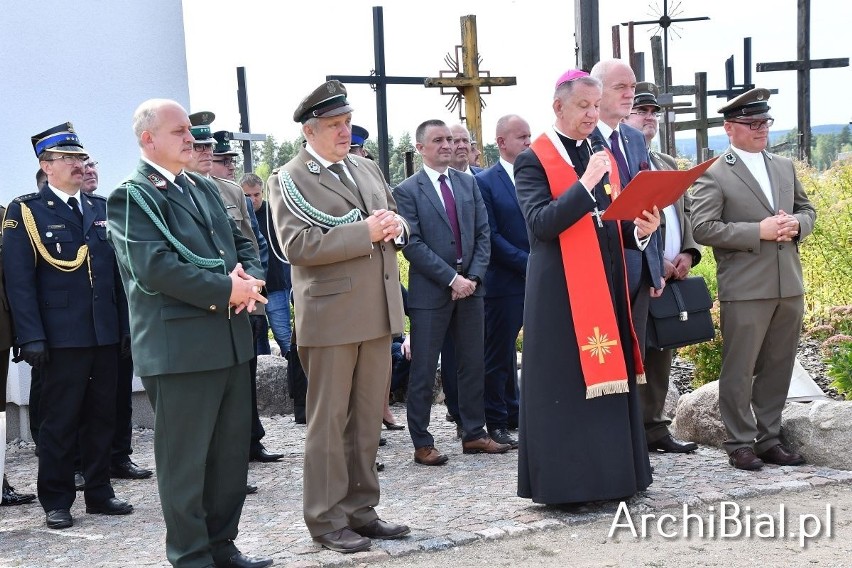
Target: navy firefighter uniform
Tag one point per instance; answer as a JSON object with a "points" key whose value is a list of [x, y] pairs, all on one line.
{"points": [[70, 317]]}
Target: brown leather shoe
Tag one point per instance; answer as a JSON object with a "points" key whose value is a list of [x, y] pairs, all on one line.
{"points": [[344, 540], [428, 455], [780, 455], [744, 458], [484, 446], [382, 529]]}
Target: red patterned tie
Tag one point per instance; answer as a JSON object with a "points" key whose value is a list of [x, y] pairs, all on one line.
{"points": [[450, 205]]}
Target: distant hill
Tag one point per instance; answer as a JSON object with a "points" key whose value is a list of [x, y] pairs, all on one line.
{"points": [[685, 141]]}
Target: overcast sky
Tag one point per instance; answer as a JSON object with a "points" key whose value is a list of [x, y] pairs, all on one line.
{"points": [[288, 48]]}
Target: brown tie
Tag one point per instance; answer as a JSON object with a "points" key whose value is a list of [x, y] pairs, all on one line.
{"points": [[344, 178]]}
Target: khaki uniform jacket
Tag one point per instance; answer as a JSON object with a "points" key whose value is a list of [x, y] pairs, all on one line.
{"points": [[235, 205], [727, 207], [179, 316], [687, 242], [336, 271]]}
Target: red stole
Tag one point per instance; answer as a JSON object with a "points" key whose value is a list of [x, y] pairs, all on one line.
{"points": [[595, 323]]}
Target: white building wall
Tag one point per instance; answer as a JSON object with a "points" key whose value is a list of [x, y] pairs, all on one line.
{"points": [[90, 62]]}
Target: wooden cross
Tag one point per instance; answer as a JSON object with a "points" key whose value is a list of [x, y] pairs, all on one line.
{"points": [[701, 123], [244, 135], [464, 81], [732, 89], [379, 81], [586, 34], [803, 66], [636, 59], [664, 22]]}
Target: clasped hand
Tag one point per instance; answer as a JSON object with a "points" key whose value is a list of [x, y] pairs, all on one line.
{"points": [[245, 290], [780, 228], [462, 287], [383, 225]]}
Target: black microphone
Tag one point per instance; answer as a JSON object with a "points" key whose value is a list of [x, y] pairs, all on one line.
{"points": [[598, 145]]}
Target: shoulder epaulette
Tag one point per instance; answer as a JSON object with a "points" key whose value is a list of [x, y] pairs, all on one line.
{"points": [[225, 181], [27, 197], [96, 196]]}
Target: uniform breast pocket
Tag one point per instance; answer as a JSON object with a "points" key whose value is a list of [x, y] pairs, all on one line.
{"points": [[330, 287], [234, 212], [53, 236]]}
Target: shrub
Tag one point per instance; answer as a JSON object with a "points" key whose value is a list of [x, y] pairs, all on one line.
{"points": [[839, 363], [706, 357]]}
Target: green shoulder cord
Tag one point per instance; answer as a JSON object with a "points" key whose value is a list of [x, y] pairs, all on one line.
{"points": [[158, 219]]}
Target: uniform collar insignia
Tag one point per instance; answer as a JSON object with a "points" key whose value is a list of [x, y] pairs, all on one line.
{"points": [[158, 182], [730, 158], [352, 160], [313, 167]]}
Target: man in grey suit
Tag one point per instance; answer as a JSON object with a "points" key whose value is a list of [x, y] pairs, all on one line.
{"points": [[448, 249], [750, 207], [644, 268], [191, 279], [338, 229], [680, 253]]}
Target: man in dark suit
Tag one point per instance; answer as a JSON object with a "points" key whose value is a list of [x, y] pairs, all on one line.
{"points": [[680, 253], [448, 250], [69, 317], [644, 268], [505, 279], [338, 227], [462, 150], [191, 279], [750, 207]]}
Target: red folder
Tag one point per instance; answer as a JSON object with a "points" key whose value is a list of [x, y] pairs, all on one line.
{"points": [[649, 188]]}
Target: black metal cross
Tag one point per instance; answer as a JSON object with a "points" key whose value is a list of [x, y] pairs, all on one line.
{"points": [[379, 81], [803, 66]]}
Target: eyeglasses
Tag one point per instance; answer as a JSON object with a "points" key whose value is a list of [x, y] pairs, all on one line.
{"points": [[226, 161], [646, 113], [756, 124], [200, 148], [70, 159], [90, 165]]}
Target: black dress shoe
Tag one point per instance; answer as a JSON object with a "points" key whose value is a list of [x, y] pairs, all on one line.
{"points": [[450, 418], [344, 540], [382, 441], [59, 519], [392, 425], [112, 506], [129, 470], [382, 530], [380, 466], [779, 455], [668, 445], [79, 481], [12, 497], [744, 458], [501, 436], [240, 560], [250, 489], [259, 454]]}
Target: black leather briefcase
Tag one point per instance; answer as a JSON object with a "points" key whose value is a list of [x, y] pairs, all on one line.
{"points": [[681, 315]]}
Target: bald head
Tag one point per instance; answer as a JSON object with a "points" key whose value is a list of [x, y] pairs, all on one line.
{"points": [[162, 130], [513, 136], [461, 147], [619, 86]]}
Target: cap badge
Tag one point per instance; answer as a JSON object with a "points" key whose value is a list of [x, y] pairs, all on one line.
{"points": [[313, 167], [331, 87], [730, 158], [158, 182]]}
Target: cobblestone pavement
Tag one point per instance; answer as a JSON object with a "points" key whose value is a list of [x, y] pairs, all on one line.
{"points": [[472, 498]]}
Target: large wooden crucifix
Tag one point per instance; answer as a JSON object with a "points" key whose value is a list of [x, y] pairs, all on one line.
{"points": [[464, 80], [664, 22], [803, 66], [379, 81]]}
